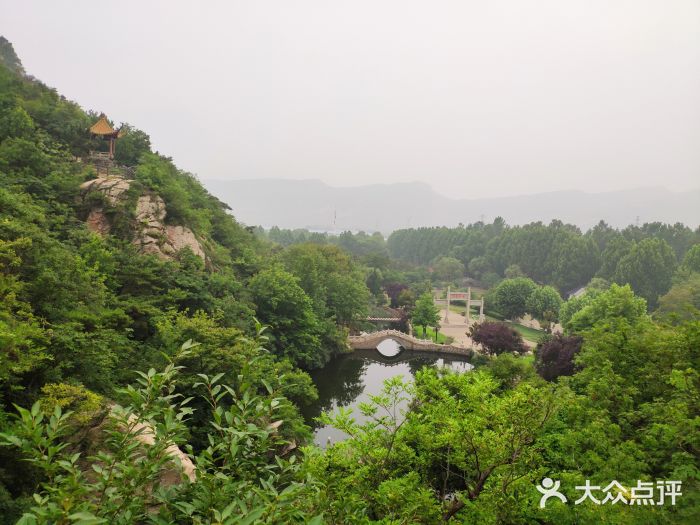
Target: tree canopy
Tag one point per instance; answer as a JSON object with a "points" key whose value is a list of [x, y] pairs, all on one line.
{"points": [[425, 313]]}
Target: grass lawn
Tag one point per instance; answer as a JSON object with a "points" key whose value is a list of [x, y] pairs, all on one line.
{"points": [[418, 332], [530, 359], [530, 334]]}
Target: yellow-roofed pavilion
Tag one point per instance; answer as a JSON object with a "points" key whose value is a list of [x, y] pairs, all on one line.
{"points": [[102, 128]]}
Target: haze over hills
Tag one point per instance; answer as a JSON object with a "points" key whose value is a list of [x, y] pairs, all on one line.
{"points": [[315, 205]]}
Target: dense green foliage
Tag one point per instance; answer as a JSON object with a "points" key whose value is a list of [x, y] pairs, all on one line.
{"points": [[629, 412], [132, 483], [81, 311], [511, 296], [556, 254], [682, 302]]}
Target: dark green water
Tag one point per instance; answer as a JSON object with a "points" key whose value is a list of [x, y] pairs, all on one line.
{"points": [[350, 379]]}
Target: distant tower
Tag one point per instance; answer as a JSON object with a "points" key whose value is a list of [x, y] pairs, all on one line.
{"points": [[103, 129]]}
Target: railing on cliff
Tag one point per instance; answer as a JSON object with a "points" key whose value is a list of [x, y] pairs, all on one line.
{"points": [[105, 165]]}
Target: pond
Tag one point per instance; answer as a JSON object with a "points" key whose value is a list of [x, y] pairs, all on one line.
{"points": [[349, 379]]}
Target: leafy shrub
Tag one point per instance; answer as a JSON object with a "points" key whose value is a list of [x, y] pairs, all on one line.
{"points": [[555, 356], [82, 402], [139, 477], [497, 338]]}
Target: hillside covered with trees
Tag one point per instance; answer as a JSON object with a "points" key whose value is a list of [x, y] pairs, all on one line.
{"points": [[80, 311]]}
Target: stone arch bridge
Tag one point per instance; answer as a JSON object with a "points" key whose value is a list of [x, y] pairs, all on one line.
{"points": [[371, 340]]}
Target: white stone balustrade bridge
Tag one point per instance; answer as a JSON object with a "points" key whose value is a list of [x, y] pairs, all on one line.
{"points": [[371, 340]]}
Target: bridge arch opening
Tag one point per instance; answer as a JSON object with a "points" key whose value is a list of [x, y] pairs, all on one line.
{"points": [[389, 347]]}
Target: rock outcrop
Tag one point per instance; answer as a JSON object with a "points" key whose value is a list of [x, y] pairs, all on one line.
{"points": [[143, 432], [180, 237], [90, 440], [97, 221], [151, 234], [113, 187]]}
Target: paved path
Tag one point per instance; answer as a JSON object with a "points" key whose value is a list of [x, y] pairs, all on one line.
{"points": [[455, 327]]}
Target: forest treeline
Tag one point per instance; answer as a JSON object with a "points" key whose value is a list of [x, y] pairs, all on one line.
{"points": [[645, 257], [557, 254]]}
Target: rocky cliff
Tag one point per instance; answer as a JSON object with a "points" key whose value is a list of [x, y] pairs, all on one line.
{"points": [[151, 234]]}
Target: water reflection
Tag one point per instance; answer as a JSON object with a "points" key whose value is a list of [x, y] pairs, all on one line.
{"points": [[389, 348], [350, 379]]}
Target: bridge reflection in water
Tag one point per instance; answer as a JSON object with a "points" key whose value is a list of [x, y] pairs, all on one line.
{"points": [[350, 379], [389, 348]]}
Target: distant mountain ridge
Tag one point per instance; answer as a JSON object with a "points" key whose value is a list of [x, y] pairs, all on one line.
{"points": [[315, 205]]}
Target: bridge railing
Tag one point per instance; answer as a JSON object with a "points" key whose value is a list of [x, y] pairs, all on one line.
{"points": [[408, 340], [382, 333]]}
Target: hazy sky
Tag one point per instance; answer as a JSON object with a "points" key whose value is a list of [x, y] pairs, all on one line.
{"points": [[477, 98]]}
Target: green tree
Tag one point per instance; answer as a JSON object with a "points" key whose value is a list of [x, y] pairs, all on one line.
{"points": [[478, 266], [374, 282], [648, 269], [9, 58], [131, 145], [463, 435], [513, 271], [138, 442], [615, 249], [448, 269], [331, 279], [425, 313], [617, 303], [281, 304], [511, 295], [602, 233], [544, 304], [691, 261], [406, 299], [573, 305], [577, 260], [22, 340], [14, 121], [682, 301]]}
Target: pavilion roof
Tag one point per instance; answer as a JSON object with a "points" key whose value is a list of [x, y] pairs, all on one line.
{"points": [[102, 127]]}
